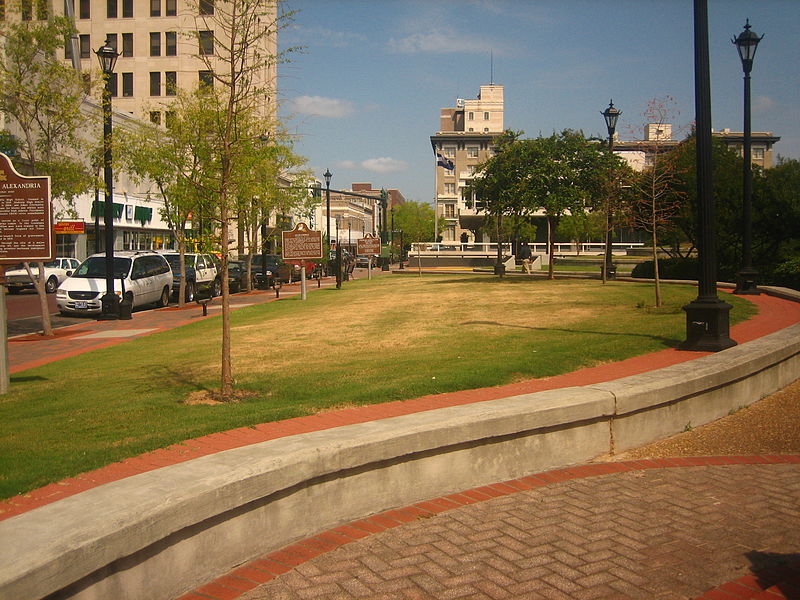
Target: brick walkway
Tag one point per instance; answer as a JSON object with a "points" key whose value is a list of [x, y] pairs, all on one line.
{"points": [[713, 528]]}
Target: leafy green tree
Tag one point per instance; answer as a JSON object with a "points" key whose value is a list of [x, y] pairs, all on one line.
{"points": [[41, 99], [238, 52], [582, 227], [415, 220]]}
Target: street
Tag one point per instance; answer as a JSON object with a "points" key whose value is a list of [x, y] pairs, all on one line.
{"points": [[24, 315]]}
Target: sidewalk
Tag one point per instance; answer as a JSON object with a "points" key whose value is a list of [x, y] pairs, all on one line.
{"points": [[668, 528]]}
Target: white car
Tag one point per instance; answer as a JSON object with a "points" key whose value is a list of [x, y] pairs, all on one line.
{"points": [[144, 277], [55, 271]]}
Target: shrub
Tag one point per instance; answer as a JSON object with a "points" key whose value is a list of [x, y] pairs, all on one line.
{"points": [[669, 268]]}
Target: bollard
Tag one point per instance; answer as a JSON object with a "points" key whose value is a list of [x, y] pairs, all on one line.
{"points": [[277, 287]]}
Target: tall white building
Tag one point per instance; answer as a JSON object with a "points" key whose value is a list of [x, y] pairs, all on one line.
{"points": [[465, 138]]}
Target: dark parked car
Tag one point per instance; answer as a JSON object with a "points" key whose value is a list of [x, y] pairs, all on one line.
{"points": [[272, 267], [237, 276], [202, 277]]}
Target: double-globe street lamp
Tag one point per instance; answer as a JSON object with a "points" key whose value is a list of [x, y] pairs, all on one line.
{"points": [[747, 43], [110, 310], [611, 115]]}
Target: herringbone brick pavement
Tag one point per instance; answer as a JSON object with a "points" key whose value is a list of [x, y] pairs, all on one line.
{"points": [[663, 533]]}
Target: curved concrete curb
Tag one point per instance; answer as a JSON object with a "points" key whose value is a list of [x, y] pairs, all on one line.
{"points": [[160, 533]]}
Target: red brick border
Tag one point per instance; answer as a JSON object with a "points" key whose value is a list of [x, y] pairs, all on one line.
{"points": [[781, 583]]}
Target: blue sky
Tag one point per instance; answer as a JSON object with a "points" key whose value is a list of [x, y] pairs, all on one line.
{"points": [[363, 96]]}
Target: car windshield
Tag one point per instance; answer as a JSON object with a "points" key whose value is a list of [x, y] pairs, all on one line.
{"points": [[95, 266], [174, 261]]}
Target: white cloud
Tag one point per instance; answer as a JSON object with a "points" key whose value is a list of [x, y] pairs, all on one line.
{"points": [[382, 164], [320, 106], [763, 104], [440, 41]]}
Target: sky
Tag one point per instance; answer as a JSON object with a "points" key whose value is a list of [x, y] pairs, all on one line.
{"points": [[362, 95]]}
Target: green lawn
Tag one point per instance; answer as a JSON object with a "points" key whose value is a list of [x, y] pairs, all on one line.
{"points": [[390, 338]]}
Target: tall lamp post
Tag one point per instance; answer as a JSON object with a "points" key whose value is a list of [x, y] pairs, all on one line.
{"points": [[707, 317], [611, 115], [327, 175], [746, 44], [384, 232], [110, 301]]}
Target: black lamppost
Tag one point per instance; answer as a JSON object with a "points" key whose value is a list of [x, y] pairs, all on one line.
{"points": [[391, 247], [338, 257], [707, 317], [327, 175], [611, 115], [110, 301], [746, 44], [384, 232]]}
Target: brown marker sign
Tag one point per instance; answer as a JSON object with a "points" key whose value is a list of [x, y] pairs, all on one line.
{"points": [[301, 243], [26, 216], [369, 244]]}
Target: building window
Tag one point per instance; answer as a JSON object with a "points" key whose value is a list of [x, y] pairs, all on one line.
{"points": [[127, 9], [42, 11], [155, 43], [758, 153], [111, 9], [171, 8], [111, 39], [127, 85], [471, 170], [155, 117], [449, 211], [155, 8], [486, 116], [206, 7], [449, 151], [112, 84], [127, 44], [155, 84], [171, 43], [170, 83], [471, 116], [206, 43], [450, 189], [86, 46], [472, 152], [84, 10], [206, 78], [485, 130], [169, 118], [26, 10]]}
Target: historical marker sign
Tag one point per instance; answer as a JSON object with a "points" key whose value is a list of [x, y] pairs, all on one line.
{"points": [[301, 243], [26, 216], [369, 244]]}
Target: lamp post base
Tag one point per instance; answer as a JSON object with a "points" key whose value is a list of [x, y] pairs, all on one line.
{"points": [[109, 308], [707, 326], [746, 282]]}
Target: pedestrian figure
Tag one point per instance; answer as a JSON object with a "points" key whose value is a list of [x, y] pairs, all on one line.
{"points": [[525, 255]]}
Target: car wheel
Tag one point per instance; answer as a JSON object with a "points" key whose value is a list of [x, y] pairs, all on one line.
{"points": [[164, 300], [51, 285], [189, 291], [216, 288]]}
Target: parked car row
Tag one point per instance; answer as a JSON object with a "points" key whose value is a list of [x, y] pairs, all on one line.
{"points": [[55, 271]]}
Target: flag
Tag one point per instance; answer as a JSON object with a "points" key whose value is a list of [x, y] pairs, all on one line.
{"points": [[441, 161]]}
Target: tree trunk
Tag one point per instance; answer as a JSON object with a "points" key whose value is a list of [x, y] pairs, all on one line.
{"points": [[39, 286], [656, 280]]}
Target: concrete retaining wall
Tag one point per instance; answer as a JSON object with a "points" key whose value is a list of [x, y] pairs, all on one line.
{"points": [[158, 534]]}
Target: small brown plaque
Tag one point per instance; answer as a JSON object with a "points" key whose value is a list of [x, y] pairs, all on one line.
{"points": [[26, 217], [369, 244], [301, 243]]}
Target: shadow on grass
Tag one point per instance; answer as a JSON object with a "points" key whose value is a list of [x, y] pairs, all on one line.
{"points": [[25, 378], [668, 342]]}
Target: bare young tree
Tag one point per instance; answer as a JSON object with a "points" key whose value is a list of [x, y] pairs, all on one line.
{"points": [[655, 199]]}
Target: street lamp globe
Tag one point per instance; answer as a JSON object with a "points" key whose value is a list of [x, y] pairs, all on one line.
{"points": [[611, 115], [747, 43], [107, 56], [327, 175]]}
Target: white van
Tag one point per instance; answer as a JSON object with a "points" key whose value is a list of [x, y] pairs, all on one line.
{"points": [[144, 276]]}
